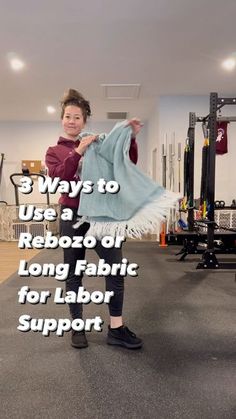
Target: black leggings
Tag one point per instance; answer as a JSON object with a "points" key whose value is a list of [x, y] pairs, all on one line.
{"points": [[73, 282]]}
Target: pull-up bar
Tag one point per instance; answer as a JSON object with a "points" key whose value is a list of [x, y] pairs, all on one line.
{"points": [[218, 118], [226, 118]]}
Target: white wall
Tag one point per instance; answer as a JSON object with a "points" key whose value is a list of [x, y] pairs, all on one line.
{"points": [[30, 140], [174, 122], [153, 141]]}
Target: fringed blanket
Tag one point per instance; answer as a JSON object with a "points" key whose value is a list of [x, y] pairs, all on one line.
{"points": [[139, 206]]}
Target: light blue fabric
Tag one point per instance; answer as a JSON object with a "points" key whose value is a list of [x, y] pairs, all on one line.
{"points": [[108, 158]]}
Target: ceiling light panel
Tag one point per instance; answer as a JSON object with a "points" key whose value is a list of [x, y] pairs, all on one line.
{"points": [[51, 109], [229, 64], [15, 62]]}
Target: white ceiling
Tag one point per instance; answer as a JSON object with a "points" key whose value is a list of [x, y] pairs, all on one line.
{"points": [[170, 47]]}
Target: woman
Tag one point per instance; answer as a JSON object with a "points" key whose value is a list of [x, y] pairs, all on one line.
{"points": [[64, 161]]}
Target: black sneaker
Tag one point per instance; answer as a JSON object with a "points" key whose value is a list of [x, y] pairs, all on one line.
{"points": [[124, 337], [78, 339]]}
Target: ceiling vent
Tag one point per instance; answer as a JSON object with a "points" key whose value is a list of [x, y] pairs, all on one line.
{"points": [[117, 115], [121, 91]]}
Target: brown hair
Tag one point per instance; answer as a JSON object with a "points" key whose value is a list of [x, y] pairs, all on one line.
{"points": [[73, 97]]}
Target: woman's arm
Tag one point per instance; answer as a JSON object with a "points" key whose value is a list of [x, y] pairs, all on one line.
{"points": [[64, 169], [133, 151], [136, 125]]}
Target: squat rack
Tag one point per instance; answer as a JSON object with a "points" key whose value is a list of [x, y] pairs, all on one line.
{"points": [[209, 260]]}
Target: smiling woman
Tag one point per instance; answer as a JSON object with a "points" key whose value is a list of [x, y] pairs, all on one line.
{"points": [[64, 161], [74, 113]]}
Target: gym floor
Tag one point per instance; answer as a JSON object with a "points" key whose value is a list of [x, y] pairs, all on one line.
{"points": [[10, 256], [186, 368]]}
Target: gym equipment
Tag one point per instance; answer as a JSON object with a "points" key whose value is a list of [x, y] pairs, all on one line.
{"points": [[219, 204], [11, 226], [209, 259], [179, 160], [164, 164], [188, 201], [171, 182], [1, 169], [233, 205], [164, 170], [16, 185], [205, 158], [206, 230], [171, 163], [1, 166]]}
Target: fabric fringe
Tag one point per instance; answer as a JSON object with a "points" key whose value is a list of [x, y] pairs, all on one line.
{"points": [[145, 221]]}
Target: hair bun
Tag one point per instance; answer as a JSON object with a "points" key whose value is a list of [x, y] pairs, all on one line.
{"points": [[72, 94]]}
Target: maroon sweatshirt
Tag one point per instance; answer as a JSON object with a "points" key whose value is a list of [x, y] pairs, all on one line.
{"points": [[62, 161]]}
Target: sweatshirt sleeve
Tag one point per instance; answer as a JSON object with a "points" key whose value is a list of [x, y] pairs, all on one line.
{"points": [[133, 151], [64, 169]]}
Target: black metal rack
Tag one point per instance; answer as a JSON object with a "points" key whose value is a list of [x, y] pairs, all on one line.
{"points": [[209, 259], [191, 139]]}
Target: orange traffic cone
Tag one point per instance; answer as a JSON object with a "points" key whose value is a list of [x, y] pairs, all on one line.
{"points": [[163, 236]]}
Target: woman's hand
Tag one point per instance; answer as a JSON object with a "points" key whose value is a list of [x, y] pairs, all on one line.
{"points": [[84, 143], [135, 124]]}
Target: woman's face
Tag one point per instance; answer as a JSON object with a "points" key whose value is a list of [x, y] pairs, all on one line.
{"points": [[73, 121]]}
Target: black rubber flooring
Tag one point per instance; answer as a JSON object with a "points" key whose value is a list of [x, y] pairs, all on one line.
{"points": [[186, 368]]}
